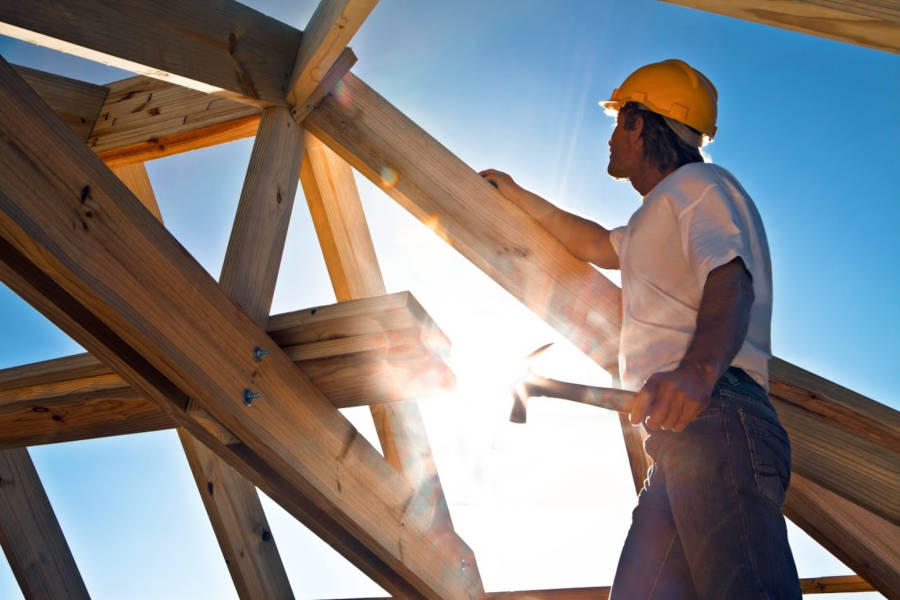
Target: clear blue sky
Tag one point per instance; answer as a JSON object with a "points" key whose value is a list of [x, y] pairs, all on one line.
{"points": [[810, 127]]}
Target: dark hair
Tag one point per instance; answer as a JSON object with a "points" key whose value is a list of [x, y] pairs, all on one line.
{"points": [[662, 146]]}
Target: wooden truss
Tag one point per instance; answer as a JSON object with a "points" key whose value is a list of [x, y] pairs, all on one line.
{"points": [[255, 397]]}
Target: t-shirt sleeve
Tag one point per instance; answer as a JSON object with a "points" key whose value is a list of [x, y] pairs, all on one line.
{"points": [[615, 239], [712, 233]]}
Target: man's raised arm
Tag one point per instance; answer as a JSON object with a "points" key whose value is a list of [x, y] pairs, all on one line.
{"points": [[584, 239]]}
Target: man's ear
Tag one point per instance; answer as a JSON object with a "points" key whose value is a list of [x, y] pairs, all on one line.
{"points": [[635, 133]]}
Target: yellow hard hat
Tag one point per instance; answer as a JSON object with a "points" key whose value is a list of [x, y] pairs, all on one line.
{"points": [[674, 89]]}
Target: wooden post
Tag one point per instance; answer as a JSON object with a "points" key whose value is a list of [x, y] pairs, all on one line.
{"points": [[353, 267], [31, 536], [249, 275]]}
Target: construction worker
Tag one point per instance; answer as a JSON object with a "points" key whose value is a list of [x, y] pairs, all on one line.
{"points": [[695, 344]]}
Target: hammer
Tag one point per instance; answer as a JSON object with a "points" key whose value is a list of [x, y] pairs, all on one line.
{"points": [[536, 385]]}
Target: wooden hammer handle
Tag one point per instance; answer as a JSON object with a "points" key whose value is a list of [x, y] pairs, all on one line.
{"points": [[609, 398]]}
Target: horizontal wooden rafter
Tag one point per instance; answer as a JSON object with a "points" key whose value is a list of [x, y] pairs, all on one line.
{"points": [[808, 585], [373, 350], [516, 252], [122, 286], [145, 118], [871, 23], [214, 46]]}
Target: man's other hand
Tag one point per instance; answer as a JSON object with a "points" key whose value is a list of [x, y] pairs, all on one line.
{"points": [[503, 182], [671, 400]]}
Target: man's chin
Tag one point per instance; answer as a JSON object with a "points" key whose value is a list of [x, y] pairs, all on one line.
{"points": [[616, 173]]}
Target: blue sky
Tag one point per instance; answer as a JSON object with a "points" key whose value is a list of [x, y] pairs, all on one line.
{"points": [[808, 125]]}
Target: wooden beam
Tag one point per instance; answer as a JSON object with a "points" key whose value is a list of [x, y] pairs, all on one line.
{"points": [[239, 522], [835, 584], [77, 103], [260, 226], [329, 30], [340, 223], [808, 585], [122, 286], [383, 349], [458, 205], [137, 181], [31, 536], [869, 23], [841, 440], [214, 46], [862, 540], [498, 238], [346, 244], [144, 118]]}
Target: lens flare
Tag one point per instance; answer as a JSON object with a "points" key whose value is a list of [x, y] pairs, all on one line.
{"points": [[389, 177], [342, 93]]}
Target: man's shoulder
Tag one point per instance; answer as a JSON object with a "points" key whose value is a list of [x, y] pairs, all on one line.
{"points": [[692, 181], [699, 172]]}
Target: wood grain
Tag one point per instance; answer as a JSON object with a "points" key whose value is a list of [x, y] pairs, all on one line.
{"points": [[30, 535], [862, 540], [214, 46], [144, 118], [869, 23], [123, 287], [76, 102]]}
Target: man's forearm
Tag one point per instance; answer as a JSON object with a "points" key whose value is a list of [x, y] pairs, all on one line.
{"points": [[722, 321]]}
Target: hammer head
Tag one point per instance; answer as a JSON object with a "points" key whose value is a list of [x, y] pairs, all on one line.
{"points": [[519, 412]]}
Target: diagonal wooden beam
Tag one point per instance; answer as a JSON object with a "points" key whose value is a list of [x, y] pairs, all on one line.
{"points": [[862, 540], [353, 267], [31, 536], [121, 285], [329, 30], [841, 440], [499, 238], [517, 253], [869, 23], [214, 46]]}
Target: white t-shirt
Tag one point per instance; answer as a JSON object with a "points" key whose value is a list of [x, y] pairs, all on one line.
{"points": [[696, 219]]}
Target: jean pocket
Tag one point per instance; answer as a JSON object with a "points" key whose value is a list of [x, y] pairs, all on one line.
{"points": [[770, 454]]}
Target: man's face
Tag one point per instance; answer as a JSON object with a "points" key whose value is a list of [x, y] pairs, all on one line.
{"points": [[625, 150]]}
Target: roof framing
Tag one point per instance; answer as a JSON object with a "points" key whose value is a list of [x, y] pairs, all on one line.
{"points": [[71, 246], [136, 314]]}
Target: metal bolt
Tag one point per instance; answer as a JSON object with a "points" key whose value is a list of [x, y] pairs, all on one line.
{"points": [[249, 396], [259, 353]]}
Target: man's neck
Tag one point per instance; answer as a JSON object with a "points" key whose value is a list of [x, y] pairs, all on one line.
{"points": [[647, 178]]}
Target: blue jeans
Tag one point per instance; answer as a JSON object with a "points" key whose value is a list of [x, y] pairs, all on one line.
{"points": [[708, 522]]}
